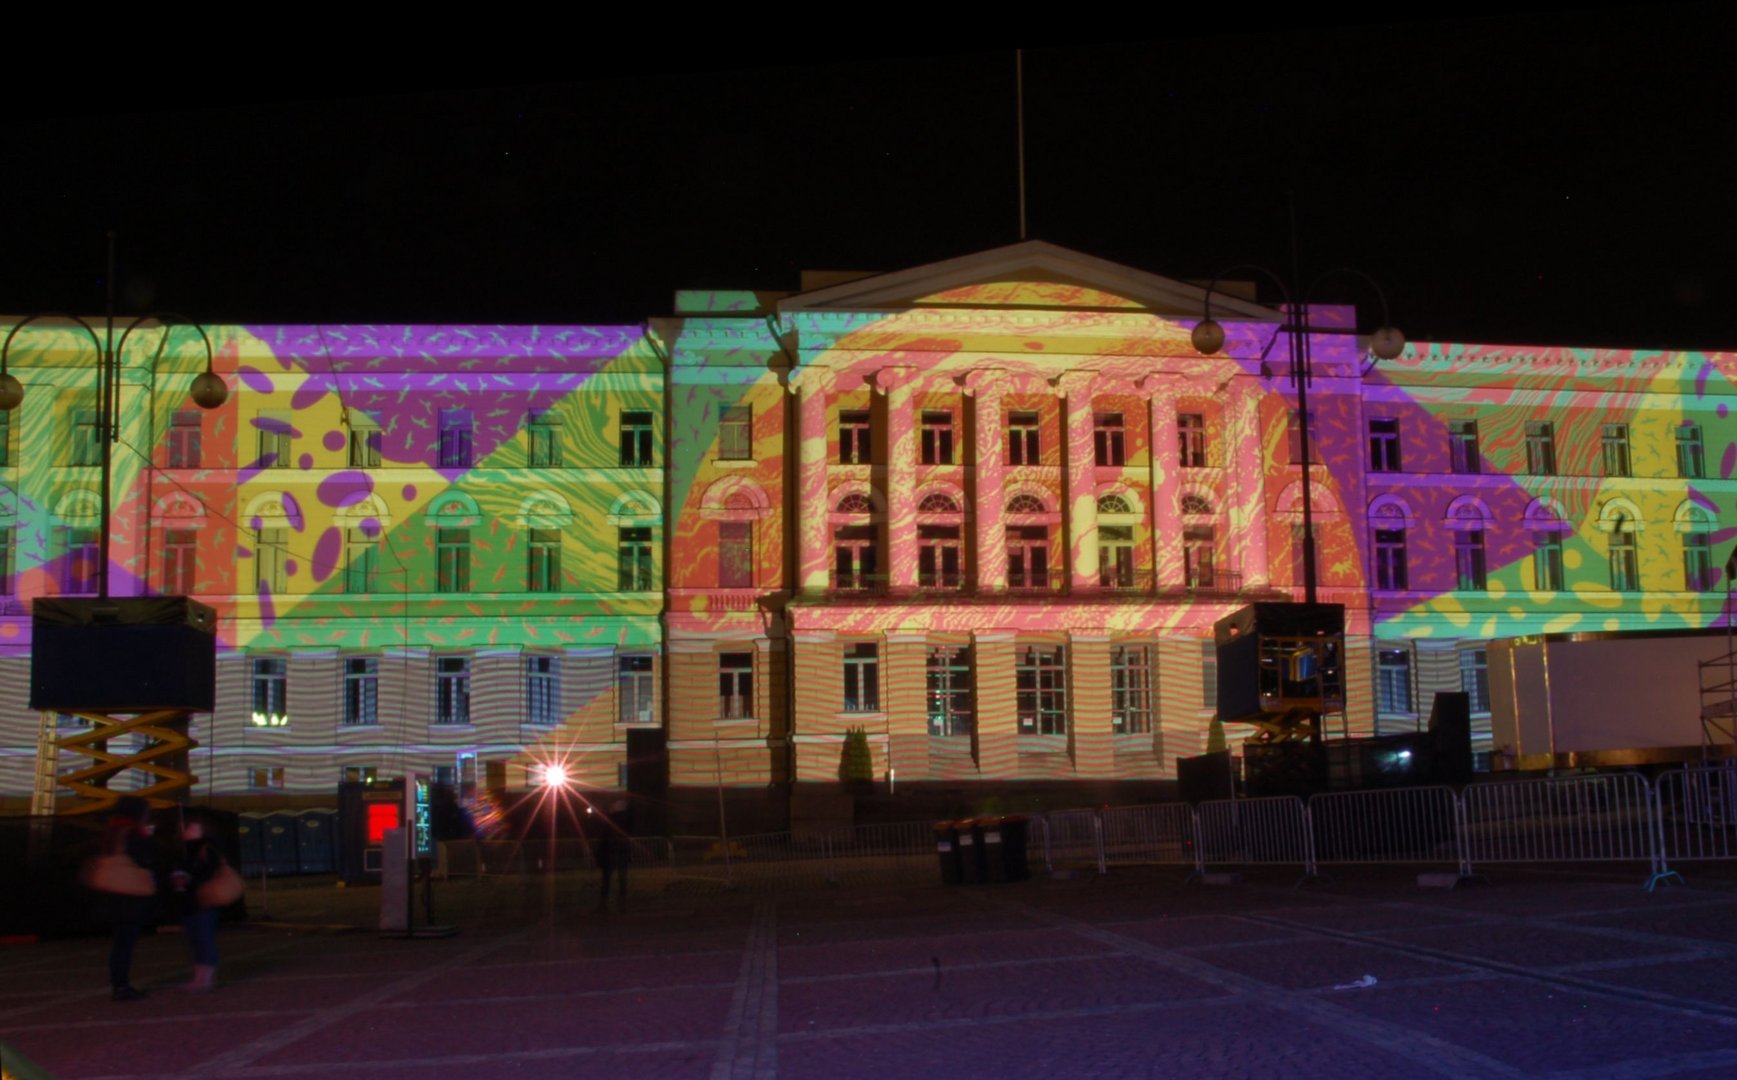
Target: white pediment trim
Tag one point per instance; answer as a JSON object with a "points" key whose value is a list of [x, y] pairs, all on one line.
{"points": [[1031, 260]]}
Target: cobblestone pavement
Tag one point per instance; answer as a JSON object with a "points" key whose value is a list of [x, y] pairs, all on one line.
{"points": [[1565, 974]]}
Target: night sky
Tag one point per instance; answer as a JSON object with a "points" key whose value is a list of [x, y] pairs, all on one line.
{"points": [[1558, 176]]}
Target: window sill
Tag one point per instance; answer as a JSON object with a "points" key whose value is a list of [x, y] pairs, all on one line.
{"points": [[862, 714], [375, 726], [734, 463], [435, 725]]}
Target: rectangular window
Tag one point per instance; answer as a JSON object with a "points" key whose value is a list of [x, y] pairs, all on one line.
{"points": [[735, 554], [1116, 556], [857, 559], [1109, 439], [1475, 678], [1300, 552], [180, 561], [1040, 692], [1624, 562], [87, 441], [1541, 448], [633, 549], [1393, 681], [1022, 439], [364, 442], [634, 701], [862, 677], [1199, 544], [83, 554], [275, 431], [542, 690], [5, 437], [1691, 456], [1209, 679], [1028, 558], [455, 438], [1463, 453], [184, 440], [361, 774], [452, 560], [271, 561], [1294, 437], [1469, 560], [1614, 440], [735, 685], [361, 691], [360, 553], [1191, 435], [636, 433], [543, 571], [939, 564], [265, 776], [270, 691], [1384, 445], [736, 433], [7, 559], [1547, 561], [452, 690], [855, 442], [543, 435], [1697, 562], [937, 437], [1390, 562], [947, 690], [1130, 689]]}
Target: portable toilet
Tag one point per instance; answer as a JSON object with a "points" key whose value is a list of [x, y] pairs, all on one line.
{"points": [[279, 847], [250, 835], [316, 840]]}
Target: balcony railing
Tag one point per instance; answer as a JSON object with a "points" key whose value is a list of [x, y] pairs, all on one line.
{"points": [[1046, 583], [858, 585], [1136, 582], [1216, 583]]}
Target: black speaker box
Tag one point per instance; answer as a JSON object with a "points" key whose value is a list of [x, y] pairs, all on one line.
{"points": [[123, 654]]}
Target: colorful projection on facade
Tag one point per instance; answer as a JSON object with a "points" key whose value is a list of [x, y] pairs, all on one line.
{"points": [[990, 523]]}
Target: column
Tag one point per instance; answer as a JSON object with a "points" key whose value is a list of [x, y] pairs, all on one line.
{"points": [[1163, 497], [986, 390], [815, 729], [1080, 479], [898, 385], [1089, 735], [812, 385], [997, 721], [904, 658], [1245, 457]]}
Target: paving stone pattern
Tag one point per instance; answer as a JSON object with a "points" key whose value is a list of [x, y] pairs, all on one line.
{"points": [[1569, 975]]}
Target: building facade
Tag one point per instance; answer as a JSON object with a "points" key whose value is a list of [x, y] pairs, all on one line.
{"points": [[980, 515]]}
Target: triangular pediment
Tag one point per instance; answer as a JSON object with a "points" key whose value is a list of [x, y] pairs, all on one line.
{"points": [[1031, 276]]}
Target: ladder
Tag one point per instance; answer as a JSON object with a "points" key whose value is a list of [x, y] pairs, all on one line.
{"points": [[47, 758]]}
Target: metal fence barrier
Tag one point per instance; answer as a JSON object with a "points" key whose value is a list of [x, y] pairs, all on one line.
{"points": [[1269, 830], [1072, 838], [1610, 817], [1164, 834], [1392, 825], [1697, 812]]}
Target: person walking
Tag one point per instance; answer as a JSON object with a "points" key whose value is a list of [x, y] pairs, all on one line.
{"points": [[200, 861], [614, 850], [125, 881]]}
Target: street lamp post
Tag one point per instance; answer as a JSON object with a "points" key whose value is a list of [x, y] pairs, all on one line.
{"points": [[208, 392], [1386, 343]]}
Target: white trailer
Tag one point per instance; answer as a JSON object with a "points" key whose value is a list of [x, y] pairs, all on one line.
{"points": [[1611, 699]]}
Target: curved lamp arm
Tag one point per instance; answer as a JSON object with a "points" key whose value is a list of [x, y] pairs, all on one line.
{"points": [[11, 390]]}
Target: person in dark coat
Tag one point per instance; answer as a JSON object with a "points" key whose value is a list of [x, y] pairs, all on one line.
{"points": [[614, 850], [128, 831], [199, 861]]}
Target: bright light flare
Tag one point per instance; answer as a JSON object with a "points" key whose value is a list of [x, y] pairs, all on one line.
{"points": [[554, 775]]}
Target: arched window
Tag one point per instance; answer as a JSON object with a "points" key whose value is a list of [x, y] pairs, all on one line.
{"points": [[937, 504], [1196, 504], [1114, 504], [1025, 504], [855, 503]]}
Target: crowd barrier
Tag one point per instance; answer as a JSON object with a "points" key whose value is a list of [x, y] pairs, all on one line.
{"points": [[1688, 814]]}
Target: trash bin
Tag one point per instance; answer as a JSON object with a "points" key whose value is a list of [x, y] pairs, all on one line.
{"points": [[970, 852], [1015, 836], [987, 833], [947, 851]]}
